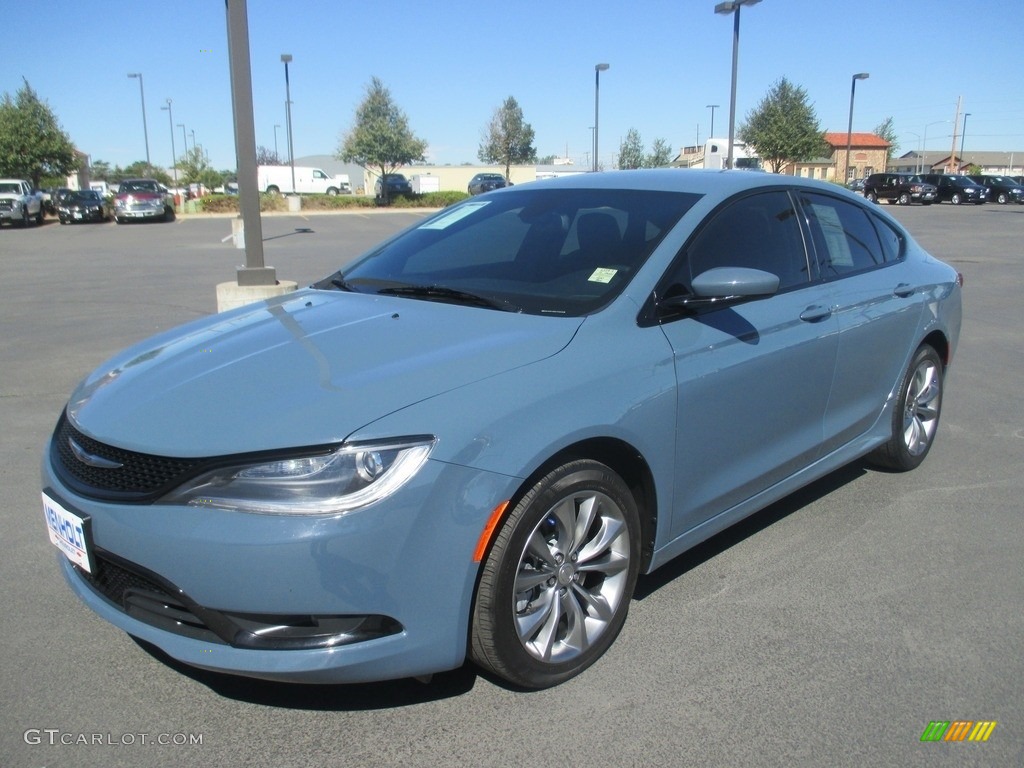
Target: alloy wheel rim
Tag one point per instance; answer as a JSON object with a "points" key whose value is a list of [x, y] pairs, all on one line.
{"points": [[921, 414], [571, 576]]}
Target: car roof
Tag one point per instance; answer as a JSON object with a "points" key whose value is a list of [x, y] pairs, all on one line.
{"points": [[714, 183]]}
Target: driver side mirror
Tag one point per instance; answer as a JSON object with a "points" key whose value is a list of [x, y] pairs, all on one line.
{"points": [[722, 287]]}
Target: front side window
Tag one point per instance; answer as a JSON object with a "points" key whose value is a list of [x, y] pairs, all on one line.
{"points": [[759, 231], [541, 251]]}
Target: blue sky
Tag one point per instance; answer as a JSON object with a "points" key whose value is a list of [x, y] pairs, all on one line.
{"points": [[450, 63]]}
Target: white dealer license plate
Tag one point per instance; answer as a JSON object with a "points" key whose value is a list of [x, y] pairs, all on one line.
{"points": [[68, 532]]}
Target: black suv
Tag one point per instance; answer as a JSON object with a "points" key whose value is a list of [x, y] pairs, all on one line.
{"points": [[1002, 189], [957, 189], [397, 185], [902, 188]]}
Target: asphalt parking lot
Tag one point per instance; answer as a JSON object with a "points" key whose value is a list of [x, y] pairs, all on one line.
{"points": [[827, 630]]}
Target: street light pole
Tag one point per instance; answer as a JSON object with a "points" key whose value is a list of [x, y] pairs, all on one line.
{"points": [[276, 126], [184, 140], [849, 127], [725, 8], [174, 154], [712, 107], [598, 69], [287, 57], [145, 130]]}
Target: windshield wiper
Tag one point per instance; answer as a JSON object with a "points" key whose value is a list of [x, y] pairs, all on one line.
{"points": [[440, 293]]}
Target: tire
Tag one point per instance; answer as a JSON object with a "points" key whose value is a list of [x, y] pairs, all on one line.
{"points": [[39, 216], [25, 220], [273, 190], [332, 192], [1002, 198], [118, 220], [904, 199], [168, 214], [955, 198], [549, 602], [915, 418], [872, 197]]}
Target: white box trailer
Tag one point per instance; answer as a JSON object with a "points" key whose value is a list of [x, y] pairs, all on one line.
{"points": [[424, 182], [277, 179]]}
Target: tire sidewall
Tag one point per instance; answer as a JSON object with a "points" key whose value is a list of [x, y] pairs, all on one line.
{"points": [[496, 588]]}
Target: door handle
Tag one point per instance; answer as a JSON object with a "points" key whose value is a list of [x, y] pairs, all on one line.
{"points": [[815, 312], [903, 290]]}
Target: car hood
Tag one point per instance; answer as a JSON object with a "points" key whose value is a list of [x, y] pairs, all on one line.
{"points": [[306, 369]]}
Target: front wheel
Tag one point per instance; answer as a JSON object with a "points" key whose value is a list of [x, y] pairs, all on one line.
{"points": [[1002, 198], [555, 588], [955, 199], [915, 417], [872, 197], [904, 199]]}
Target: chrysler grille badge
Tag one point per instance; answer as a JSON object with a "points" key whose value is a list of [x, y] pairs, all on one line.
{"points": [[91, 458]]}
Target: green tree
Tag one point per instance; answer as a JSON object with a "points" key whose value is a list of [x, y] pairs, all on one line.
{"points": [[507, 140], [661, 154], [546, 160], [32, 143], [380, 141], [100, 170], [783, 127], [266, 156], [193, 166], [887, 130], [139, 170], [631, 151]]}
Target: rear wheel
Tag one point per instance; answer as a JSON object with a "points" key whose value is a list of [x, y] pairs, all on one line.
{"points": [[916, 415], [955, 199], [872, 197], [555, 588], [904, 199], [1002, 198]]}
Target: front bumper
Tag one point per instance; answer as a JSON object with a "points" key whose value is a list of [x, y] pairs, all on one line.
{"points": [[405, 562]]}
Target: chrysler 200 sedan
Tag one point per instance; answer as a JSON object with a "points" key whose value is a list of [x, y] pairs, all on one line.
{"points": [[469, 442]]}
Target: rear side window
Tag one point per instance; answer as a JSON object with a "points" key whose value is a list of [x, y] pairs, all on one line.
{"points": [[846, 239]]}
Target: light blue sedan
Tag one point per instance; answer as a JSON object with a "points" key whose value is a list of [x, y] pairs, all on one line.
{"points": [[472, 440]]}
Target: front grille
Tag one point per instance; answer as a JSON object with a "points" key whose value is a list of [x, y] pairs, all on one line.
{"points": [[140, 476]]}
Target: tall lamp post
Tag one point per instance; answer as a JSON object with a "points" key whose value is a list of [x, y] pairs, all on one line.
{"points": [[145, 130], [276, 126], [174, 154], [184, 140], [849, 126], [962, 135], [598, 69], [287, 57], [725, 8], [712, 107]]}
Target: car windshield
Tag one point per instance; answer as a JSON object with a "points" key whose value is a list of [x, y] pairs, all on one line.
{"points": [[540, 251], [491, 177], [10, 189], [138, 186], [88, 195]]}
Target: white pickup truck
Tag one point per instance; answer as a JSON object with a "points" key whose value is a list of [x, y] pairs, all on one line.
{"points": [[19, 203]]}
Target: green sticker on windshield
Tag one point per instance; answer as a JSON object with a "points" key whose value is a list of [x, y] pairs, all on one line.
{"points": [[602, 275]]}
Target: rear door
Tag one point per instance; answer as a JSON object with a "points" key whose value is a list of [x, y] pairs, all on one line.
{"points": [[877, 309]]}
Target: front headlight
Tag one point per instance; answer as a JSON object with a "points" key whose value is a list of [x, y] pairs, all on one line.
{"points": [[348, 478]]}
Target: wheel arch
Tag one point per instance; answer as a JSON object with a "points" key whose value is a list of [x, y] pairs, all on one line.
{"points": [[937, 340], [623, 459]]}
